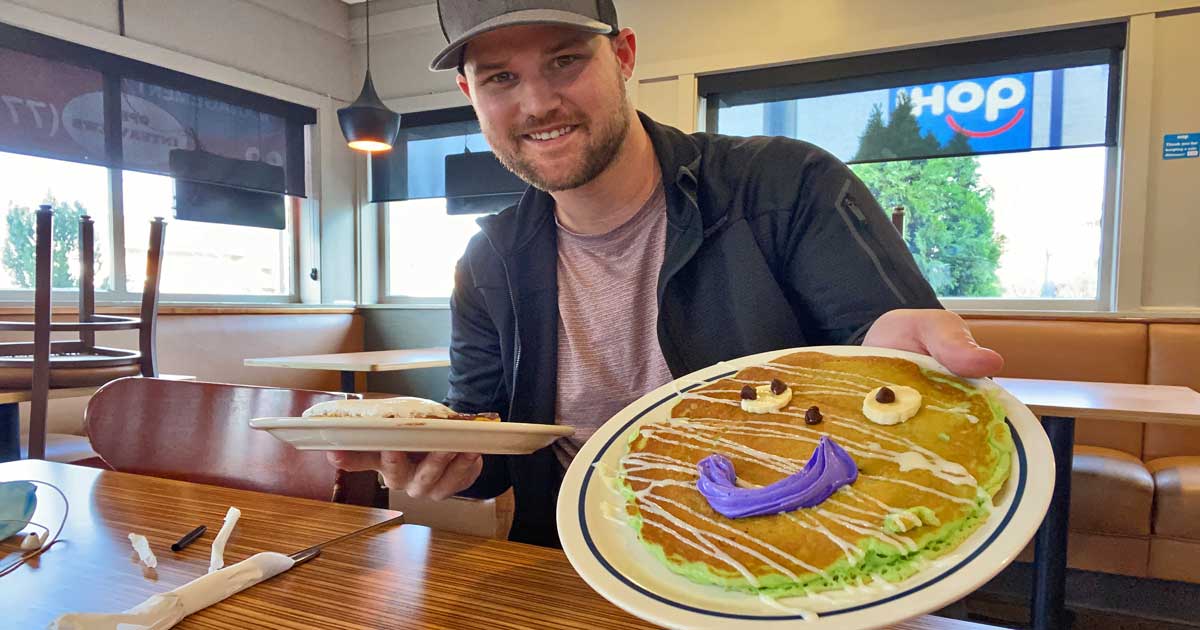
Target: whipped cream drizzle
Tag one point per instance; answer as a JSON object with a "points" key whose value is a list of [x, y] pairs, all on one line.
{"points": [[828, 469]]}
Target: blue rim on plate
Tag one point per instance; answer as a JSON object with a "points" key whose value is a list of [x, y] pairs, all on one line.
{"points": [[587, 536]]}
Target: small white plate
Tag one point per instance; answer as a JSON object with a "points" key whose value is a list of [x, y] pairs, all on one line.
{"points": [[427, 435], [608, 556]]}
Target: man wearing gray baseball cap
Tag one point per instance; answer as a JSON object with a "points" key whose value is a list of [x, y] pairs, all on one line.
{"points": [[639, 253]]}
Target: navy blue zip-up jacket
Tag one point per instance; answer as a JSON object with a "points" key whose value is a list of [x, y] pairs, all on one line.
{"points": [[771, 243]]}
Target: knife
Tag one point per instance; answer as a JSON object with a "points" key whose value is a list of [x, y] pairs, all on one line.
{"points": [[304, 555]]}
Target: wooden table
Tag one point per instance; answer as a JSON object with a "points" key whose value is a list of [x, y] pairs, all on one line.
{"points": [[348, 363], [10, 411], [1059, 404], [403, 577]]}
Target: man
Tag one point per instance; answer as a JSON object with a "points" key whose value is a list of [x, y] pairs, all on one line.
{"points": [[639, 253]]}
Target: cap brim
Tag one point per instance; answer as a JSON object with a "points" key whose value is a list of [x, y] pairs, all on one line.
{"points": [[448, 58]]}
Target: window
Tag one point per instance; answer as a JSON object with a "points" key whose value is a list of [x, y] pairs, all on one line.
{"points": [[998, 153], [124, 142], [73, 190], [202, 258], [431, 187], [423, 245]]}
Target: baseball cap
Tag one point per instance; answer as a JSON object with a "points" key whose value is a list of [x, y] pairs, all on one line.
{"points": [[462, 20]]}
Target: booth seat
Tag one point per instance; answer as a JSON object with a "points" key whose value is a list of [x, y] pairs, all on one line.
{"points": [[1135, 494]]}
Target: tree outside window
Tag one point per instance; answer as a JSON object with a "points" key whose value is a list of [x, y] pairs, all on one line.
{"points": [[20, 248], [948, 221]]}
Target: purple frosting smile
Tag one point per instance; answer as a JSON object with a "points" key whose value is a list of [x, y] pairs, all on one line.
{"points": [[829, 468]]}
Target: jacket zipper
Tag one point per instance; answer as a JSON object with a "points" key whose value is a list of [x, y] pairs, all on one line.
{"points": [[665, 343], [854, 208], [845, 203], [512, 300]]}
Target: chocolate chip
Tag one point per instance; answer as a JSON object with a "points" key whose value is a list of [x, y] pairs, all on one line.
{"points": [[813, 415], [749, 393], [885, 396], [777, 386]]}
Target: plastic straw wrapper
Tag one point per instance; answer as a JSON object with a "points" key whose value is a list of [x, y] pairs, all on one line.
{"points": [[217, 556], [142, 547]]}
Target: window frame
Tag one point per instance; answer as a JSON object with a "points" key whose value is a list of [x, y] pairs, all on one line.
{"points": [[914, 66]]}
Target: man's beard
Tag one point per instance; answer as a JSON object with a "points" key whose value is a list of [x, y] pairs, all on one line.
{"points": [[606, 137]]}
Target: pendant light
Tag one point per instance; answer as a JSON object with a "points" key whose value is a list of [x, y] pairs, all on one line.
{"points": [[367, 123]]}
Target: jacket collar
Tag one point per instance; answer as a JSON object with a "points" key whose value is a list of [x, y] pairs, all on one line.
{"points": [[678, 156]]}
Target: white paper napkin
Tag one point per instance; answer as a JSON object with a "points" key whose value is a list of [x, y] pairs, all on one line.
{"points": [[167, 609]]}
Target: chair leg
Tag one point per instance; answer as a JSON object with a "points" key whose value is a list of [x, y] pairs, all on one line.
{"points": [[148, 331], [359, 488], [41, 334], [38, 410], [339, 487], [87, 277], [10, 432]]}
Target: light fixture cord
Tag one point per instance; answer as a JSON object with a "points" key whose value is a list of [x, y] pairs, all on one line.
{"points": [[368, 36]]}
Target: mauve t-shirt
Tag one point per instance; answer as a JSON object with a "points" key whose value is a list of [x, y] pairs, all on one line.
{"points": [[608, 352]]}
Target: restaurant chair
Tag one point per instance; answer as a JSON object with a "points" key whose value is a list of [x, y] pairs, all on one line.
{"points": [[42, 364], [200, 432]]}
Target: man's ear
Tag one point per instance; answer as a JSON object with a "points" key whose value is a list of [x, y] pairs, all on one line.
{"points": [[465, 87], [625, 46]]}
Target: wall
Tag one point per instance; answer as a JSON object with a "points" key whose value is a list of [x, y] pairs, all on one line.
{"points": [[386, 328], [298, 42], [1172, 271], [295, 50], [404, 39]]}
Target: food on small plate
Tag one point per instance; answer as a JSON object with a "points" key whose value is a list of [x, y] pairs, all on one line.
{"points": [[399, 407], [414, 425], [853, 470]]}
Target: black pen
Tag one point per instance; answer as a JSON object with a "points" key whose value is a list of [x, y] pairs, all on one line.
{"points": [[188, 538]]}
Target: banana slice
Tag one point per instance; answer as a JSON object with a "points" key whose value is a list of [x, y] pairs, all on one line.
{"points": [[766, 401], [905, 403]]}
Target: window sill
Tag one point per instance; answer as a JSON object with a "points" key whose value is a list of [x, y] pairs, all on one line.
{"points": [[216, 308], [1148, 314], [430, 304], [1154, 315]]}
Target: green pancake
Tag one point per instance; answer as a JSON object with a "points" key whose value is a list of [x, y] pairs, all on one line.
{"points": [[923, 485]]}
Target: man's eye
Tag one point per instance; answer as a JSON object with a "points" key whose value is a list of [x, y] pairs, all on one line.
{"points": [[563, 61], [500, 77]]}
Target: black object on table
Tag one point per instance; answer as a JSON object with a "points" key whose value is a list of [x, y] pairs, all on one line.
{"points": [[10, 432]]}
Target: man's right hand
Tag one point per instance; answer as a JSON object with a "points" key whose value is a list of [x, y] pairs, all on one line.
{"points": [[422, 475]]}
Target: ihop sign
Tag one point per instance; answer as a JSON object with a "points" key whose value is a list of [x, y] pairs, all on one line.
{"points": [[994, 113]]}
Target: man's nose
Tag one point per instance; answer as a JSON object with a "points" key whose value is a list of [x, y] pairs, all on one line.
{"points": [[539, 97]]}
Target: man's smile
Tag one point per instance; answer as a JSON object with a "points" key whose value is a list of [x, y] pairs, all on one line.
{"points": [[550, 136]]}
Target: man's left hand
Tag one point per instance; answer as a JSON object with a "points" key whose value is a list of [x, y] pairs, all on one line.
{"points": [[940, 334]]}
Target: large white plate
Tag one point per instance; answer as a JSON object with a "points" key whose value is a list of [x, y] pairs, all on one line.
{"points": [[412, 434], [606, 553]]}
